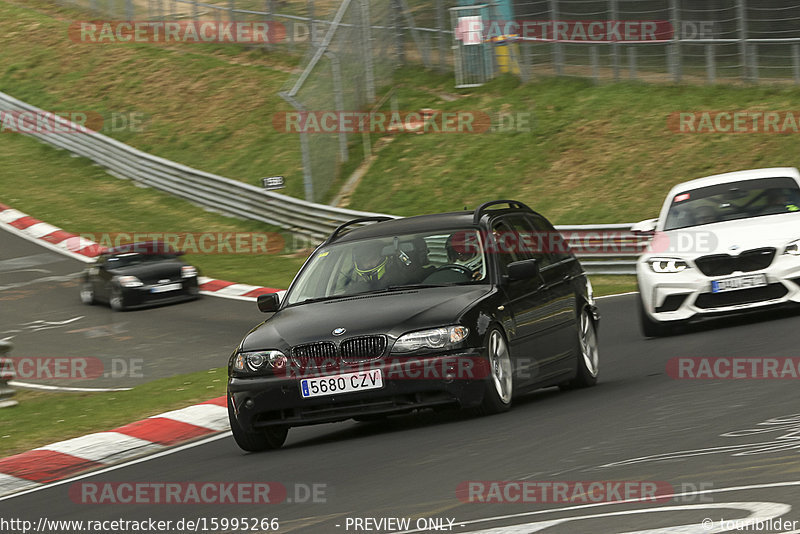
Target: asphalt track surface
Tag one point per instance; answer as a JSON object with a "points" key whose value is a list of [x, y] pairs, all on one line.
{"points": [[41, 313], [738, 440]]}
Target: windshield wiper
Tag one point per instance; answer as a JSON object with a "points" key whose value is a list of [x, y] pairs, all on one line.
{"points": [[413, 286]]}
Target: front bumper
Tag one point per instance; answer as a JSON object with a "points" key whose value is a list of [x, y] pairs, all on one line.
{"points": [[276, 400], [681, 296], [137, 297]]}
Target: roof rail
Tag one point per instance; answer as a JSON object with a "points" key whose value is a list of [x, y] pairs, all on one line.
{"points": [[377, 218], [513, 204]]}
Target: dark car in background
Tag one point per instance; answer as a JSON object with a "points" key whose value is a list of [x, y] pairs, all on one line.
{"points": [[137, 275], [422, 312]]}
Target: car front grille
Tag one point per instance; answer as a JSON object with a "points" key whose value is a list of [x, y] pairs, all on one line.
{"points": [[362, 349], [314, 355], [742, 296], [747, 261]]}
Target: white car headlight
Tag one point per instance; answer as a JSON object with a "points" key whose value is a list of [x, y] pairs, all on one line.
{"points": [[435, 338], [255, 361], [187, 271], [129, 281], [667, 265], [793, 248]]}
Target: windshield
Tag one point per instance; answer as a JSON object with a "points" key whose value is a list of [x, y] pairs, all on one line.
{"points": [[386, 263], [732, 201], [134, 258]]}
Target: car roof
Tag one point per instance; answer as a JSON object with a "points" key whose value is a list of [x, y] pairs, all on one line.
{"points": [[453, 220], [142, 247], [737, 176]]}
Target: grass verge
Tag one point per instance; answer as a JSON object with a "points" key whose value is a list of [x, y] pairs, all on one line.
{"points": [[44, 417]]}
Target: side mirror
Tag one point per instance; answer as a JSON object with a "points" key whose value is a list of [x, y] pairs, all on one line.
{"points": [[523, 269], [644, 227], [269, 302]]}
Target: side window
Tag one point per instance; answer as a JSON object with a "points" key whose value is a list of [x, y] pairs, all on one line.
{"points": [[505, 245], [555, 246], [533, 242]]}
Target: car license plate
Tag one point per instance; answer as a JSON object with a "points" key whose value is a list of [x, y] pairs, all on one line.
{"points": [[165, 288], [740, 282], [345, 383]]}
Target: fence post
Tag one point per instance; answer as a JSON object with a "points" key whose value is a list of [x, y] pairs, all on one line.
{"points": [[6, 374], [632, 62], [195, 13], [338, 98], [796, 63], [442, 37], [231, 10], [711, 69], [595, 64], [614, 45], [558, 59], [676, 42], [366, 47], [743, 39], [398, 31]]}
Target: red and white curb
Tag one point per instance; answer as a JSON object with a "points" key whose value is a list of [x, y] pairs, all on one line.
{"points": [[84, 250], [67, 458]]}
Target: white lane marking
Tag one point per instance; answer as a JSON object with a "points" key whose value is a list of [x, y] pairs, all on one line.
{"points": [[759, 511], [617, 295], [12, 483], [236, 290], [103, 447], [59, 278], [46, 387], [203, 415], [789, 440], [118, 466]]}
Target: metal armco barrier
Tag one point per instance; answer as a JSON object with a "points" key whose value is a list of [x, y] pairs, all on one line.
{"points": [[6, 374], [615, 254]]}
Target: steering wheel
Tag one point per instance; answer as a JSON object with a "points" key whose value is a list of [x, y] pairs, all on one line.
{"points": [[466, 272]]}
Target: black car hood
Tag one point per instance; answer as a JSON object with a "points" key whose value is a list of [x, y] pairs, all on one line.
{"points": [[392, 313], [152, 272]]}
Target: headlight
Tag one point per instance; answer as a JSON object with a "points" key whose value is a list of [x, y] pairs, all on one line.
{"points": [[255, 361], [435, 338], [129, 281], [793, 248], [187, 271], [667, 265]]}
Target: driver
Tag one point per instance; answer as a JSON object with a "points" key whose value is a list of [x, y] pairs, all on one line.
{"points": [[372, 269], [778, 201], [463, 249]]}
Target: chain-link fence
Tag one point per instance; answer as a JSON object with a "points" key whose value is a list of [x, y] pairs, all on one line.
{"points": [[714, 40], [352, 46]]}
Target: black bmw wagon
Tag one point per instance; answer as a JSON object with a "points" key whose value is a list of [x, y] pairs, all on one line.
{"points": [[387, 316]]}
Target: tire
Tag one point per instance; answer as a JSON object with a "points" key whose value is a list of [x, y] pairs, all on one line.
{"points": [[500, 383], [270, 438], [117, 300], [651, 328], [87, 294], [588, 353]]}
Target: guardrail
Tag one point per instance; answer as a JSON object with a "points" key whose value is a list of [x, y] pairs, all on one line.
{"points": [[315, 221]]}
